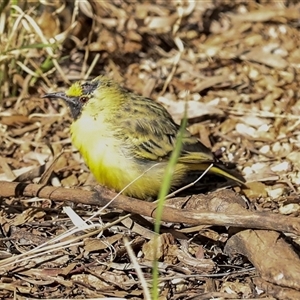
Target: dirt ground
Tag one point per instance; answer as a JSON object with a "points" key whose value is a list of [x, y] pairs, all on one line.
{"points": [[239, 62]]}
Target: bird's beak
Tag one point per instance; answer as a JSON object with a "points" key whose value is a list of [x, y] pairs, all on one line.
{"points": [[57, 95], [72, 102]]}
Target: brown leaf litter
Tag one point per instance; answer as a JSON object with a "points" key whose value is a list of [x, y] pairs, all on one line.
{"points": [[240, 63]]}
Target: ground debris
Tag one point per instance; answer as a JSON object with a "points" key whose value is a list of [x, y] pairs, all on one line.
{"points": [[239, 61]]}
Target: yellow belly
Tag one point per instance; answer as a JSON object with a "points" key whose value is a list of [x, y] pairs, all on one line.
{"points": [[111, 162]]}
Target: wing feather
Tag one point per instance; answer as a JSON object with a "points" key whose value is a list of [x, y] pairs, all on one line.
{"points": [[153, 135]]}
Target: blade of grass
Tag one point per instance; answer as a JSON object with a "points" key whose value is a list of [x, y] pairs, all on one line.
{"points": [[165, 188]]}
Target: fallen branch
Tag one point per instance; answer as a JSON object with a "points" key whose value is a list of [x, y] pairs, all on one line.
{"points": [[258, 220]]}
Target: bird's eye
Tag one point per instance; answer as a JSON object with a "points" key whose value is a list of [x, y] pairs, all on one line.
{"points": [[83, 99]]}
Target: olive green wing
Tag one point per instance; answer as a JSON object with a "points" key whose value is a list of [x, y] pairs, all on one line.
{"points": [[152, 134]]}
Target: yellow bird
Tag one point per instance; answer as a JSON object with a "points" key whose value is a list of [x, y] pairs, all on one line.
{"points": [[126, 141]]}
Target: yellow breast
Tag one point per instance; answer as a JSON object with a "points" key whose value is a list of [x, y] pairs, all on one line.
{"points": [[112, 162]]}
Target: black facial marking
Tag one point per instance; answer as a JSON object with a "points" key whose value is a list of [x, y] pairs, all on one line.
{"points": [[75, 107], [89, 87]]}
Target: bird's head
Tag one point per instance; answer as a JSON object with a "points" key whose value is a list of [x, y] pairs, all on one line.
{"points": [[79, 94]]}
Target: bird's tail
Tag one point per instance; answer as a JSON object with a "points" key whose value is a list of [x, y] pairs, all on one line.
{"points": [[223, 170], [218, 174]]}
